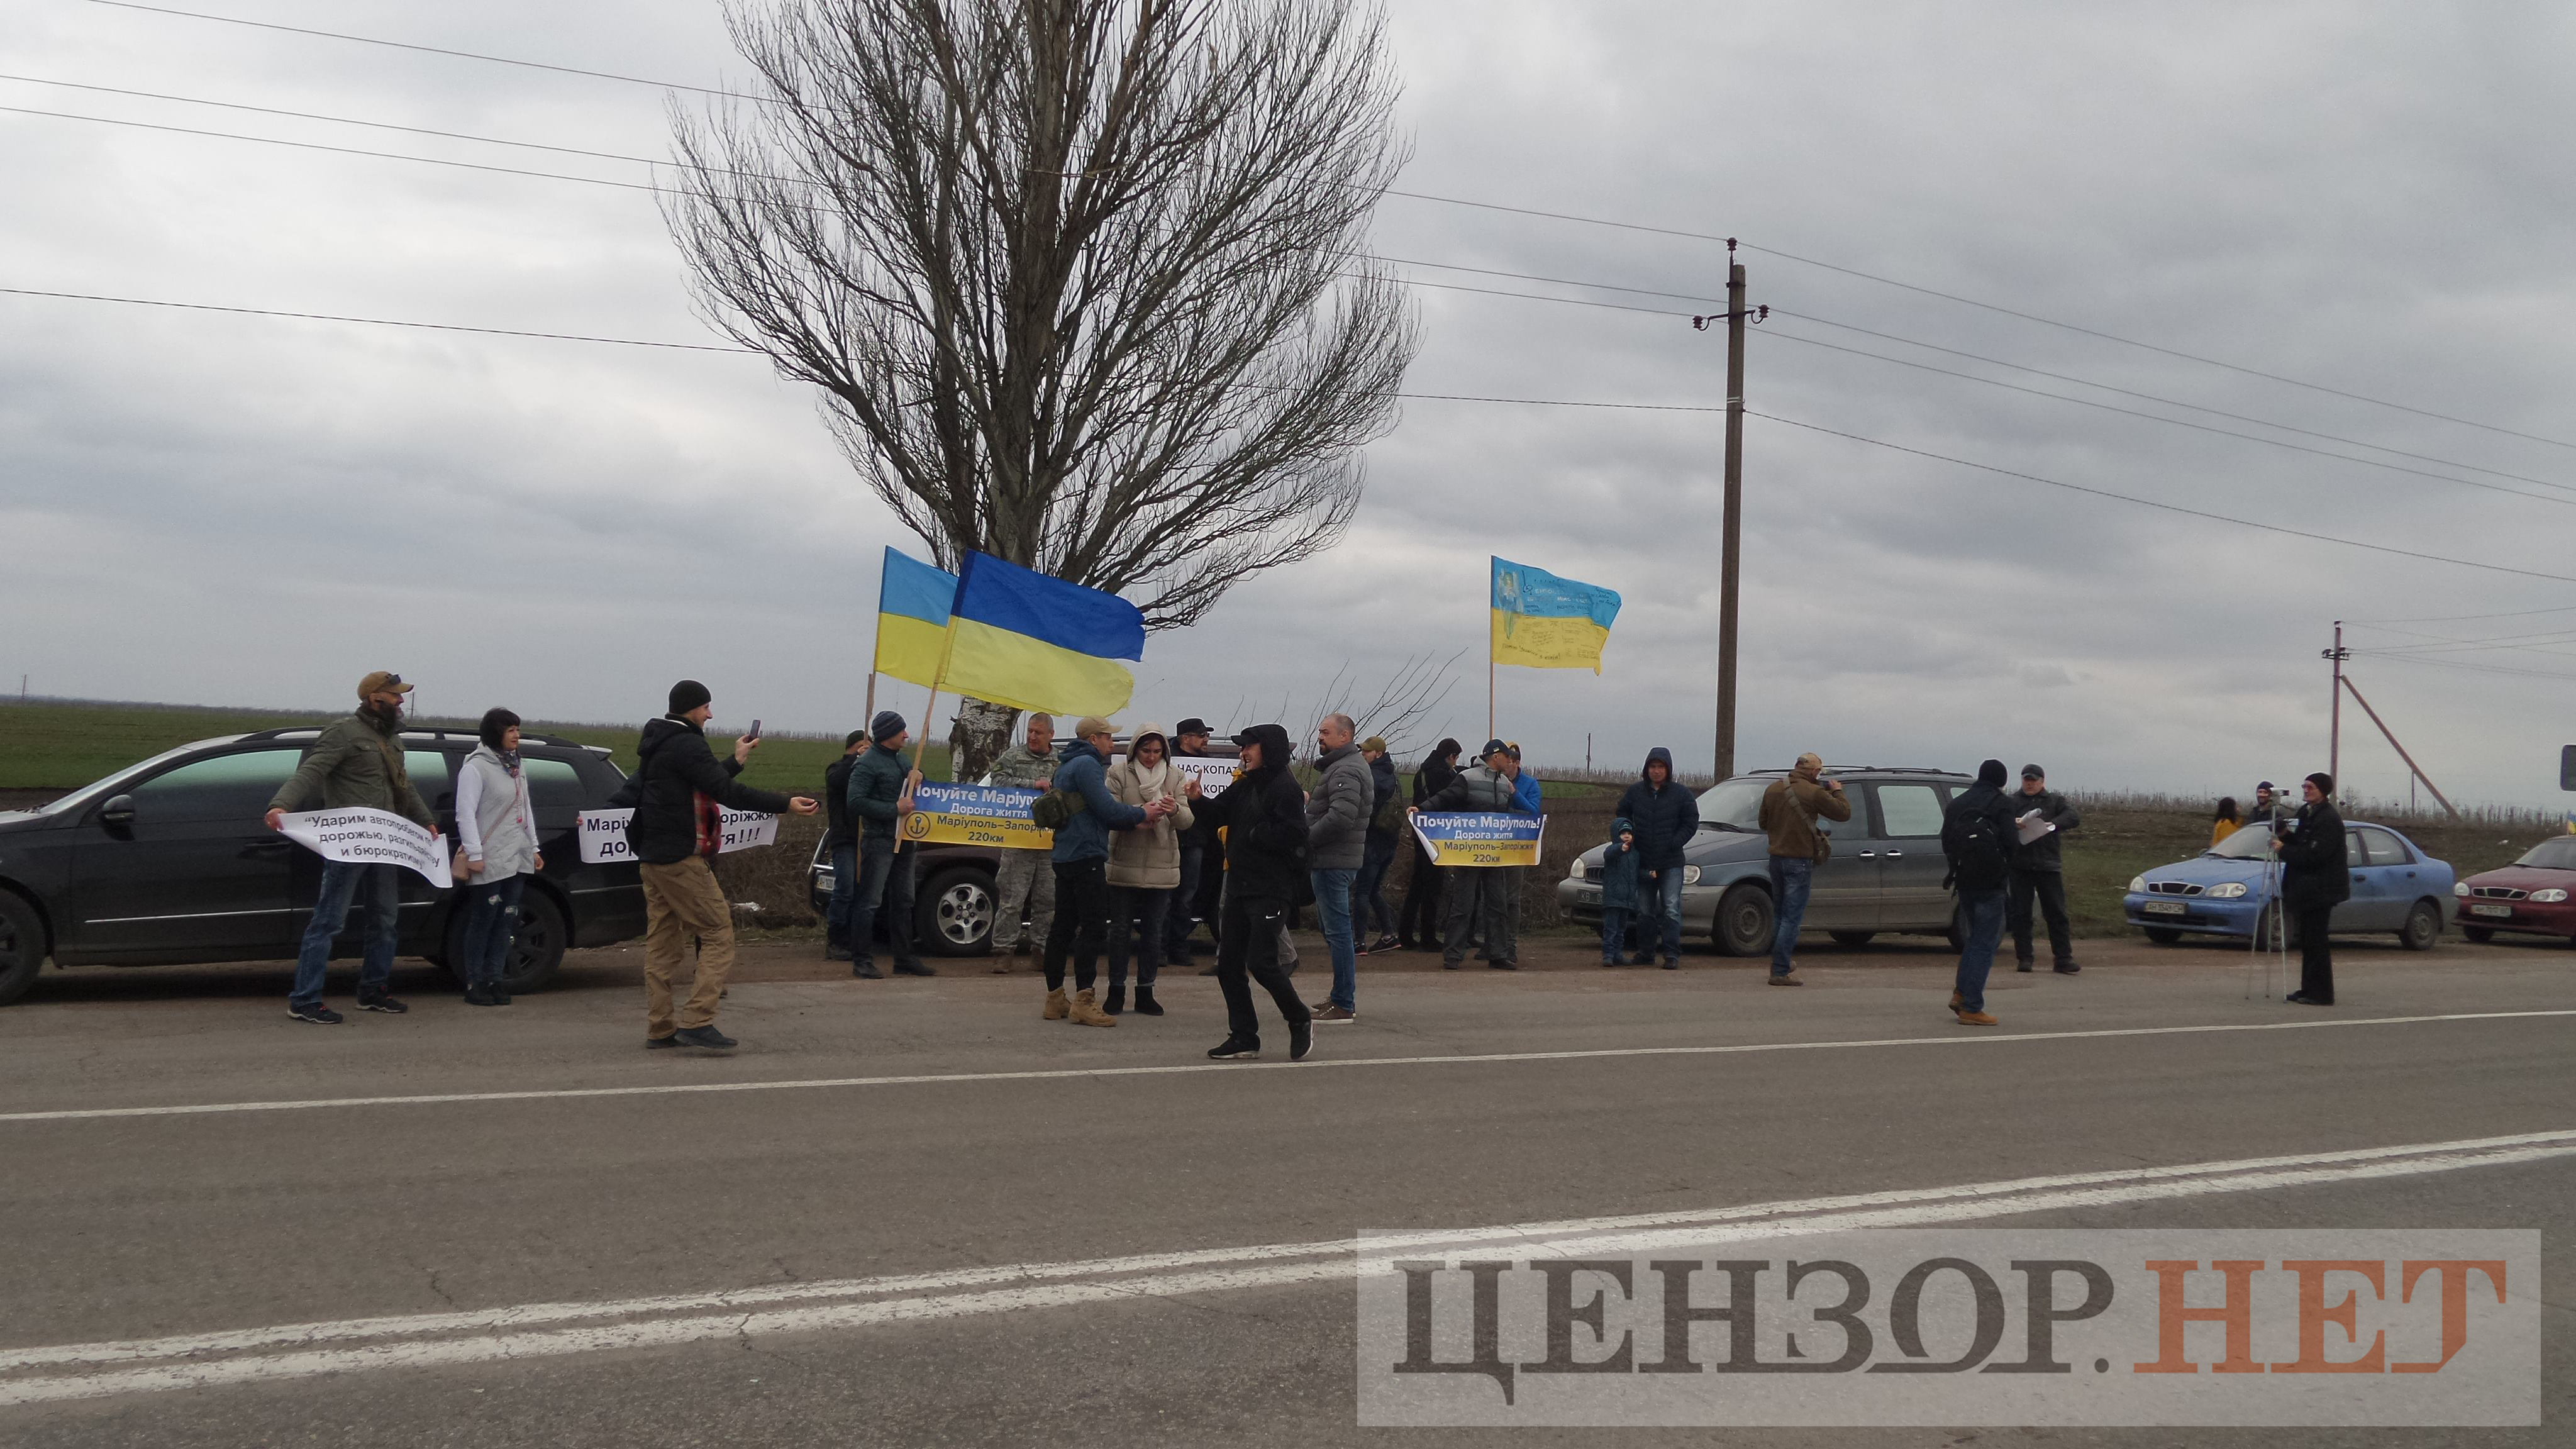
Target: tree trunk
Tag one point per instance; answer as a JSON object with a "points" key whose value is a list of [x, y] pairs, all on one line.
{"points": [[982, 732]]}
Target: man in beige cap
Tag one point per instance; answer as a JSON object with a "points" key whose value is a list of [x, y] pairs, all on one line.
{"points": [[1789, 812], [358, 761]]}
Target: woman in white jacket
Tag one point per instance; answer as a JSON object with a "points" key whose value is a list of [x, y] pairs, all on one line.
{"points": [[1144, 865], [496, 831]]}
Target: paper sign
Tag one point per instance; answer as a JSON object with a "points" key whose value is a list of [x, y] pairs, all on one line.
{"points": [[1475, 838], [603, 833], [995, 815], [2032, 827], [1213, 775], [367, 836]]}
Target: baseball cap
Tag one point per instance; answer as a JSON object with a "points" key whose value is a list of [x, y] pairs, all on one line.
{"points": [[1493, 748], [2033, 772], [380, 681]]}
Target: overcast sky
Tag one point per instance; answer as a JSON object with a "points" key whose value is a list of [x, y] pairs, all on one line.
{"points": [[239, 510]]}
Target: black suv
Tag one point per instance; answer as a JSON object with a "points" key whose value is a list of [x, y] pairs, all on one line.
{"points": [[168, 862]]}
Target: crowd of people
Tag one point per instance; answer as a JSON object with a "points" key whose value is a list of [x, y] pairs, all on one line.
{"points": [[1142, 855]]}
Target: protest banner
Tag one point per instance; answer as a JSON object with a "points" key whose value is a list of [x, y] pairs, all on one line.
{"points": [[366, 836], [1476, 838], [1213, 775], [995, 815], [603, 833]]}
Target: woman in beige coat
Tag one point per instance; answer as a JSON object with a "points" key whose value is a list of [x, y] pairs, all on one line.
{"points": [[1144, 865]]}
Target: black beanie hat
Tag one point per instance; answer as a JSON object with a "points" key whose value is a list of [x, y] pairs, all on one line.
{"points": [[2324, 783], [1991, 773], [687, 695], [885, 726]]}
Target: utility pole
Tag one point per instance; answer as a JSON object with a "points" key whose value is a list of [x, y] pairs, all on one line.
{"points": [[1731, 532], [2334, 711]]}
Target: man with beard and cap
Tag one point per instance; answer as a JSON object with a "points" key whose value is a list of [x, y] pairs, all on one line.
{"points": [[680, 792], [1977, 838], [880, 795], [2039, 872], [1790, 810], [2315, 878], [1665, 818], [357, 761], [1265, 857], [1487, 894]]}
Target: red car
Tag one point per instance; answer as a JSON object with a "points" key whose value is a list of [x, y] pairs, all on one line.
{"points": [[2531, 895]]}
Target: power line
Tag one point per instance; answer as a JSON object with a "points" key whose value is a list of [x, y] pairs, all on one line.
{"points": [[1482, 206], [376, 321], [2455, 618], [2168, 507], [2474, 668]]}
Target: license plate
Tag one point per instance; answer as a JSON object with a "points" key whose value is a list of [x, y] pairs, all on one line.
{"points": [[2164, 908], [2491, 910], [1587, 897]]}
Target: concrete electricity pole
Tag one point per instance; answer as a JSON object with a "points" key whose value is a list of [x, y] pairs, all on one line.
{"points": [[1731, 543], [2334, 713]]}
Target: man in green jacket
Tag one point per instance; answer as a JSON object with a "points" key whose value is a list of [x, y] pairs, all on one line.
{"points": [[880, 796], [357, 761]]}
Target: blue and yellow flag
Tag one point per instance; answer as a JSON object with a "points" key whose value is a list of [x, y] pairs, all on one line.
{"points": [[1549, 623], [912, 618], [1025, 640]]}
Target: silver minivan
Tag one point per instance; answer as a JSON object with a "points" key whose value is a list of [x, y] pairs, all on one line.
{"points": [[1884, 875]]}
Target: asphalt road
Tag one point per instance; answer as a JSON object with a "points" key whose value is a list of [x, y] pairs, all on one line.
{"points": [[574, 1224]]}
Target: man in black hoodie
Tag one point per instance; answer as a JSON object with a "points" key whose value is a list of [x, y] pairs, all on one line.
{"points": [[1666, 818], [1977, 835], [678, 791], [1265, 858]]}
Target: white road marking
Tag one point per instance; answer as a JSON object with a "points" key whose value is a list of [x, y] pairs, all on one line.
{"points": [[1053, 1074], [211, 1359]]}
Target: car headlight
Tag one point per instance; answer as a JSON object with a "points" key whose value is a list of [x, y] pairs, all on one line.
{"points": [[2227, 890], [2553, 895], [2137, 885], [2460, 888], [1690, 877]]}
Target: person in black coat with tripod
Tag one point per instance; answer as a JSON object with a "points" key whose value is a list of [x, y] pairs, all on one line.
{"points": [[2315, 878]]}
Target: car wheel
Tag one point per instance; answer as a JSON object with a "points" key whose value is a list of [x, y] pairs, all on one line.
{"points": [[953, 914], [2423, 927], [1744, 922], [22, 946], [2162, 935], [1853, 938], [536, 947], [2271, 934], [2479, 934]]}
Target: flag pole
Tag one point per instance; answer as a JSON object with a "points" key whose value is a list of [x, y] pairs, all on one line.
{"points": [[869, 714], [1489, 692]]}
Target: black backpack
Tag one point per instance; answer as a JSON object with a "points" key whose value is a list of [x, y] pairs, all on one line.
{"points": [[1974, 843]]}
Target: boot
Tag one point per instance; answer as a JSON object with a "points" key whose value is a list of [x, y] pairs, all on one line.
{"points": [[1057, 1008], [1087, 1012], [1146, 1005], [1116, 1003]]}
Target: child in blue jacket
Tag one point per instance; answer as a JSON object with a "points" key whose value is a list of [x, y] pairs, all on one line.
{"points": [[1618, 891]]}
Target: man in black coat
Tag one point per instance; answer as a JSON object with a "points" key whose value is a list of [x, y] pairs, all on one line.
{"points": [[1419, 925], [2039, 874], [1977, 838], [1265, 862], [678, 791], [1666, 819], [2315, 878]]}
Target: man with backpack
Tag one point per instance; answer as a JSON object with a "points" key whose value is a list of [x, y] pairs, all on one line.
{"points": [[1790, 810], [1977, 835]]}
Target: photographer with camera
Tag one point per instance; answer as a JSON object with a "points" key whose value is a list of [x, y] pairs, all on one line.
{"points": [[2315, 879]]}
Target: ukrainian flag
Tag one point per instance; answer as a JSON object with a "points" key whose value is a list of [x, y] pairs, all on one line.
{"points": [[1547, 622], [1022, 639], [912, 618]]}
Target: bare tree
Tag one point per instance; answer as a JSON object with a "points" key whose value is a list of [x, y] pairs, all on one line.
{"points": [[1403, 704], [1083, 283]]}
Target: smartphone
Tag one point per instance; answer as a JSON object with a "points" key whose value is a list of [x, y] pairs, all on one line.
{"points": [[755, 731]]}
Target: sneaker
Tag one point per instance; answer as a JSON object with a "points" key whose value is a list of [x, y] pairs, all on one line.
{"points": [[1301, 1041], [478, 994], [2301, 998], [1230, 1050], [1327, 1014], [500, 997], [704, 1036], [380, 1001], [867, 971], [1976, 1018], [1787, 979], [661, 1043], [317, 1013], [915, 968], [1503, 965], [2066, 968], [1386, 943]]}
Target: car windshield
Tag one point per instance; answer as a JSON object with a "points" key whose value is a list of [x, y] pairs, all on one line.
{"points": [[2250, 843], [1734, 805], [2556, 853]]}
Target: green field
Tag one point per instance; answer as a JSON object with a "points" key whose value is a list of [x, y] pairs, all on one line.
{"points": [[65, 746]]}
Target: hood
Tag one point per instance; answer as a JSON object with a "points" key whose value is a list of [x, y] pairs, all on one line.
{"points": [[660, 732], [2520, 877], [1657, 756], [1383, 765], [2210, 870], [1621, 827], [1276, 750], [1077, 748], [1146, 732]]}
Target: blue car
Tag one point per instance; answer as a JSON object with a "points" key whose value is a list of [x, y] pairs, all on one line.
{"points": [[2227, 890]]}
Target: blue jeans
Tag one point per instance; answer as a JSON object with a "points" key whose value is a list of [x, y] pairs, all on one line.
{"points": [[382, 888], [1662, 897], [1333, 918], [845, 894], [1614, 933], [491, 921], [885, 874], [1791, 879], [1981, 918]]}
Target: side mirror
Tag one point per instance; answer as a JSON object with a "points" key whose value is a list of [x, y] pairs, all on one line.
{"points": [[117, 812]]}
